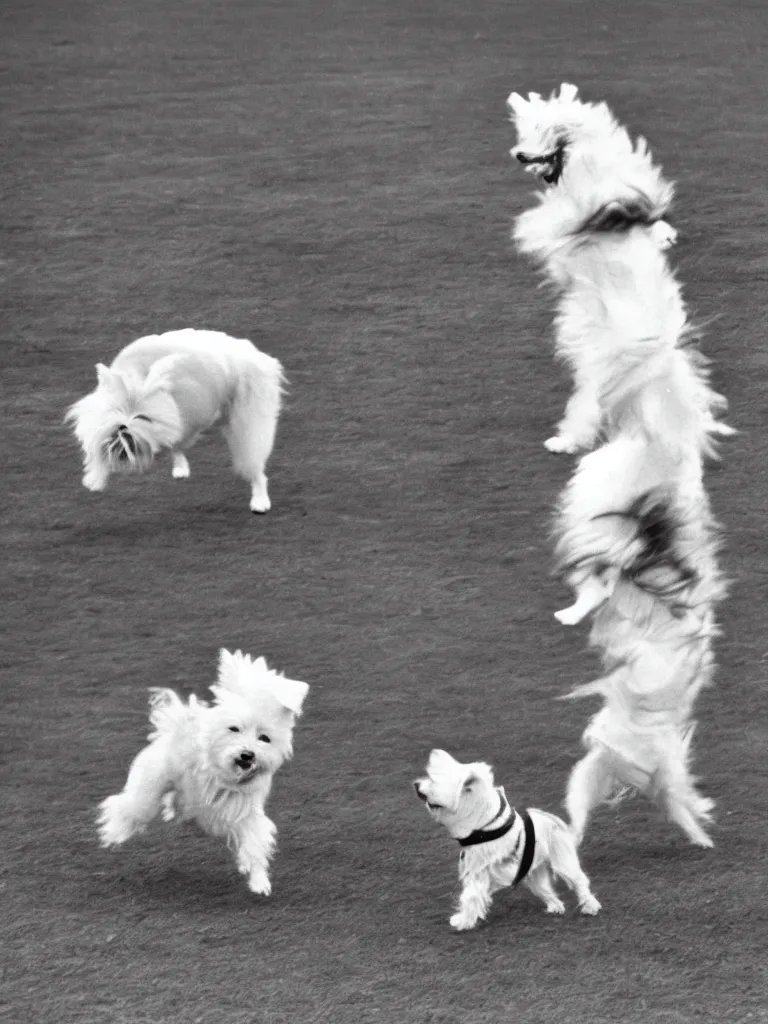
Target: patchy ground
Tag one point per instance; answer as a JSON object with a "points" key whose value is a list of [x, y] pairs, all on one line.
{"points": [[332, 181]]}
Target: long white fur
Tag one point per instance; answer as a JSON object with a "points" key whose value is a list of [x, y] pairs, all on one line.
{"points": [[619, 305], [214, 763], [636, 538], [464, 798], [163, 391]]}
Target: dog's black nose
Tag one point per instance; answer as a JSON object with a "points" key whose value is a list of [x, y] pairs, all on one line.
{"points": [[523, 158], [419, 794], [246, 759]]}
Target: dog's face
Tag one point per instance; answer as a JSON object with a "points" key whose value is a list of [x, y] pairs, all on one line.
{"points": [[249, 730], [457, 795], [242, 741], [127, 447], [546, 128]]}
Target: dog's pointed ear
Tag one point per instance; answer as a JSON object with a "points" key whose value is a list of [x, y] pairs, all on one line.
{"points": [[228, 665], [516, 104], [290, 693], [261, 664], [104, 376], [568, 92]]}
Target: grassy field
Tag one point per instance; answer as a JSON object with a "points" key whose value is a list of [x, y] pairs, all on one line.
{"points": [[331, 179]]}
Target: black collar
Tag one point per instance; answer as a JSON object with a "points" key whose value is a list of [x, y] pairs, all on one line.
{"points": [[486, 834]]}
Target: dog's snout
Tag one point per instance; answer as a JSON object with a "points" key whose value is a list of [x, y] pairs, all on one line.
{"points": [[246, 759], [417, 787], [523, 158]]}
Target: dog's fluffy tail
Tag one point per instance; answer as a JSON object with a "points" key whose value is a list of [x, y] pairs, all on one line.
{"points": [[168, 713], [125, 421]]}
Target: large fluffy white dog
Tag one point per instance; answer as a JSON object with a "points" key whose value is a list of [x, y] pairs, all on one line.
{"points": [[499, 846], [637, 542], [214, 764], [599, 232], [164, 391]]}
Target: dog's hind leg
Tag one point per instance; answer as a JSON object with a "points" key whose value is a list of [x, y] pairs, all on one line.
{"points": [[250, 432], [591, 783], [682, 803], [124, 814], [539, 881], [565, 864]]}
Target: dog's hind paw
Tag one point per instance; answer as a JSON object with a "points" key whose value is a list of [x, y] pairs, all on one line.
{"points": [[561, 444], [555, 907]]}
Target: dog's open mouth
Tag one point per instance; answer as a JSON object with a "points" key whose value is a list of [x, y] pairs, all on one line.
{"points": [[251, 774], [548, 166], [423, 797]]}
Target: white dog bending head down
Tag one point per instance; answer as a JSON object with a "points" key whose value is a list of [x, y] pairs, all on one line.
{"points": [[214, 763], [499, 846]]}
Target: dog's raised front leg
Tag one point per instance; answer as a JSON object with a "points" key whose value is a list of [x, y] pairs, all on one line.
{"points": [[474, 902], [590, 594], [255, 844], [580, 425]]}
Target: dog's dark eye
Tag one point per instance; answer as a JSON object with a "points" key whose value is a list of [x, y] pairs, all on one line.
{"points": [[141, 416], [234, 728], [263, 738]]}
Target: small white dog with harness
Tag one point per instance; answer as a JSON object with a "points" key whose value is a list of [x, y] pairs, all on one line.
{"points": [[500, 847]]}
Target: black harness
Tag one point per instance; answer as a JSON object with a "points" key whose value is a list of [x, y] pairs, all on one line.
{"points": [[487, 835]]}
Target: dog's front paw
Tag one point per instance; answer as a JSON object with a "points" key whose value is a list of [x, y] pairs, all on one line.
{"points": [[664, 234], [561, 444], [590, 906], [569, 616], [555, 907], [168, 812], [95, 481], [462, 922], [180, 470], [260, 505], [260, 884]]}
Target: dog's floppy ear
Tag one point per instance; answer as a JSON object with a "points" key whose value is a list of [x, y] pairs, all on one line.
{"points": [[290, 693], [568, 92]]}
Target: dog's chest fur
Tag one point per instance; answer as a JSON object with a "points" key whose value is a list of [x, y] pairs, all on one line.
{"points": [[216, 808], [500, 857]]}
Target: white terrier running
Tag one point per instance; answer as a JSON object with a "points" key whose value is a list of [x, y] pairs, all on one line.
{"points": [[214, 764]]}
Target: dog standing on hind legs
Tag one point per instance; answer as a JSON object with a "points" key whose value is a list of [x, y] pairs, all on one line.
{"points": [[164, 391]]}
